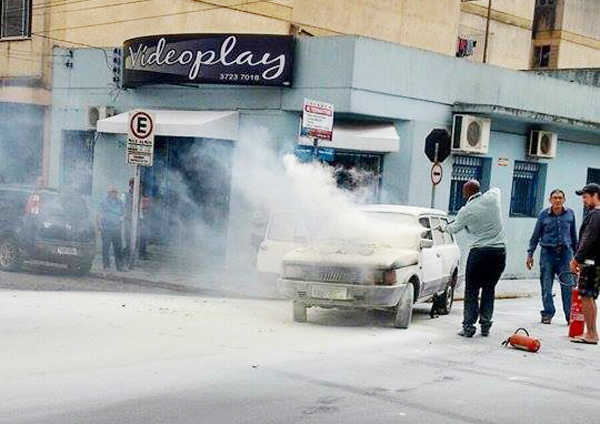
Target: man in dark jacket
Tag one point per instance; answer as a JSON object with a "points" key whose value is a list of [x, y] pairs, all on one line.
{"points": [[586, 262], [556, 233], [110, 215]]}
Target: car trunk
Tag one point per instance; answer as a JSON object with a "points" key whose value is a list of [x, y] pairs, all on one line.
{"points": [[64, 218]]}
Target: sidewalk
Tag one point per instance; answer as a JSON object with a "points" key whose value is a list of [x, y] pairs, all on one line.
{"points": [[219, 281]]}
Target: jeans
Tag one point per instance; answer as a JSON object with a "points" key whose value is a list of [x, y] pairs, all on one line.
{"points": [[484, 268], [112, 237], [552, 263]]}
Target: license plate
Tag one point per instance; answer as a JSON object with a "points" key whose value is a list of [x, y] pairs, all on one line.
{"points": [[67, 251], [333, 293]]}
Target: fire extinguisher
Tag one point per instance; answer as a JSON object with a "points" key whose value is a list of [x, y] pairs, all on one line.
{"points": [[523, 342], [576, 319]]}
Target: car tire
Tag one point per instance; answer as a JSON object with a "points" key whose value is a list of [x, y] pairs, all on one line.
{"points": [[405, 308], [10, 255], [299, 311], [82, 268], [444, 301]]}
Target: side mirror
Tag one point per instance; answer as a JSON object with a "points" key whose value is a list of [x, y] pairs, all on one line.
{"points": [[425, 244]]}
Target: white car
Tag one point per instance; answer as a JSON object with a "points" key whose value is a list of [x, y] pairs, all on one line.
{"points": [[397, 258]]}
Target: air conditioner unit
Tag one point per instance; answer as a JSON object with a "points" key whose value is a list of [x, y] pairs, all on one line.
{"points": [[542, 144], [470, 134], [95, 113]]}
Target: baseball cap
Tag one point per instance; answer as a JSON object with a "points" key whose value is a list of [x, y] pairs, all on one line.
{"points": [[592, 188]]}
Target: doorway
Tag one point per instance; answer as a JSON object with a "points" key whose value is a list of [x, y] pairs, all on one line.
{"points": [[188, 190]]}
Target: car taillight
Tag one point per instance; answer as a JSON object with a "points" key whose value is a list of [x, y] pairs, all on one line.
{"points": [[388, 278], [34, 205]]}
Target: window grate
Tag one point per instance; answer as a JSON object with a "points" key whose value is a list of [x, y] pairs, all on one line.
{"points": [[524, 189], [464, 168], [15, 18]]}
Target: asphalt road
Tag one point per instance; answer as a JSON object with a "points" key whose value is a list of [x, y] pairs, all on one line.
{"points": [[139, 358]]}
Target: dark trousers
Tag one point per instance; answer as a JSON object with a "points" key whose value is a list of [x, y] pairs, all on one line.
{"points": [[112, 237], [553, 262], [484, 268]]}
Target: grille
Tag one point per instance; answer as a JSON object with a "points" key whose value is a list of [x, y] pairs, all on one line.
{"points": [[333, 274]]}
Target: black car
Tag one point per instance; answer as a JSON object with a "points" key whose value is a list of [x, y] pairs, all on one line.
{"points": [[47, 225]]}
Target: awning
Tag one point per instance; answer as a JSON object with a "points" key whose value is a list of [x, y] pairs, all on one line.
{"points": [[367, 137], [181, 123]]}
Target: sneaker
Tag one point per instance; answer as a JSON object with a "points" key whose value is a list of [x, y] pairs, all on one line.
{"points": [[546, 320], [485, 333], [464, 333]]}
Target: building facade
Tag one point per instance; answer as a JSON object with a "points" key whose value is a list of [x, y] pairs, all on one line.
{"points": [[374, 85]]}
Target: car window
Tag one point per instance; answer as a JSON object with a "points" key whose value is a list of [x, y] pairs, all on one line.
{"points": [[424, 221], [449, 238], [438, 236], [286, 226]]}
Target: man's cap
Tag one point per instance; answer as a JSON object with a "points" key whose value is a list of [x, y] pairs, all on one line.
{"points": [[592, 188]]}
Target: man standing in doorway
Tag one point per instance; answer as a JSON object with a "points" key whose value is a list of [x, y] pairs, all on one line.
{"points": [[482, 218], [556, 233], [110, 215], [586, 262]]}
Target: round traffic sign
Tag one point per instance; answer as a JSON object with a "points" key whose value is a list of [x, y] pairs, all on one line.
{"points": [[436, 173], [141, 125]]}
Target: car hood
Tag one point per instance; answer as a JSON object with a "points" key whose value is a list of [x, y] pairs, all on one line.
{"points": [[372, 255]]}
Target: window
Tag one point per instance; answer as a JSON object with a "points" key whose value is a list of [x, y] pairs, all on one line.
{"points": [[449, 238], [465, 168], [424, 221], [438, 236], [541, 56], [15, 18], [525, 189]]}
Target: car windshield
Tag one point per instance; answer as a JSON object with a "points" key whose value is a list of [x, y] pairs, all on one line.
{"points": [[356, 226]]}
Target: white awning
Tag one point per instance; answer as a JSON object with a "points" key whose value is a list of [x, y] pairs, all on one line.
{"points": [[181, 123], [367, 137]]}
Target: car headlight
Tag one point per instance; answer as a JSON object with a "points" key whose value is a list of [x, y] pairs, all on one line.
{"points": [[293, 271]]}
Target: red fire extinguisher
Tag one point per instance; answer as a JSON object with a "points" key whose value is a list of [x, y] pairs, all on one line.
{"points": [[576, 319], [523, 342]]}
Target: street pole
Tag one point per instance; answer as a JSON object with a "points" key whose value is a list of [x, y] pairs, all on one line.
{"points": [[135, 212], [435, 161], [487, 32]]}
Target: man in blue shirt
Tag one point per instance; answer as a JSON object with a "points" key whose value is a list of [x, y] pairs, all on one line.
{"points": [[110, 215], [556, 233]]}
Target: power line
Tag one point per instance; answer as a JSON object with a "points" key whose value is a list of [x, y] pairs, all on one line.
{"points": [[160, 16], [234, 7], [55, 12]]}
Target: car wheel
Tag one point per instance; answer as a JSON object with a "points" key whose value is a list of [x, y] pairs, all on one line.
{"points": [[299, 312], [10, 255], [405, 308], [443, 302], [82, 268]]}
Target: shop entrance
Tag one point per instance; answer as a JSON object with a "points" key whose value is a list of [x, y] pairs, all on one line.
{"points": [[188, 190]]}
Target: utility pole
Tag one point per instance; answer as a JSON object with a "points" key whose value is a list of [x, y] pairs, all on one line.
{"points": [[487, 32]]}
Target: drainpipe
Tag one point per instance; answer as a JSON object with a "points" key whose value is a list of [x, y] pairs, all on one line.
{"points": [[487, 31]]}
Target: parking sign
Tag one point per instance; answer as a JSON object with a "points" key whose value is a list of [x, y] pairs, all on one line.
{"points": [[140, 138]]}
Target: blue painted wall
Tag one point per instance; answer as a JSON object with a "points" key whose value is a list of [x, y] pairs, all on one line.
{"points": [[366, 79]]}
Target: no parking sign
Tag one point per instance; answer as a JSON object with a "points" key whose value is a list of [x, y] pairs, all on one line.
{"points": [[140, 138]]}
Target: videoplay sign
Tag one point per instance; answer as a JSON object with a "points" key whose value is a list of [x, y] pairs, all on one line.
{"points": [[238, 59]]}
